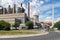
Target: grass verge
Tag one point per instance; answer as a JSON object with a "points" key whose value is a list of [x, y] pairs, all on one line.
{"points": [[17, 32]]}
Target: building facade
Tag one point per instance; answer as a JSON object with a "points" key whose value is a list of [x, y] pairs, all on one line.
{"points": [[10, 15]]}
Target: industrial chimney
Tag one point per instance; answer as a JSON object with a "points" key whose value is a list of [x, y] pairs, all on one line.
{"points": [[28, 9], [14, 9], [21, 4]]}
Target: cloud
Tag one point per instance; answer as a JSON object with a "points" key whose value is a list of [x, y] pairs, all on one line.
{"points": [[57, 19], [46, 11], [49, 6], [5, 3], [35, 5], [48, 18], [57, 4]]}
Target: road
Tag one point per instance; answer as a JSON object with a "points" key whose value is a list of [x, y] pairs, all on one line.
{"points": [[50, 36]]}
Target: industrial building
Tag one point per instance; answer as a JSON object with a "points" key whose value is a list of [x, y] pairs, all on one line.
{"points": [[12, 15]]}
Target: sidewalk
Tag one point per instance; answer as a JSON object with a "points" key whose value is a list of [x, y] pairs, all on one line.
{"points": [[16, 36], [57, 31]]}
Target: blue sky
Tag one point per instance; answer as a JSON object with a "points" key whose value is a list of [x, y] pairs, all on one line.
{"points": [[43, 7]]}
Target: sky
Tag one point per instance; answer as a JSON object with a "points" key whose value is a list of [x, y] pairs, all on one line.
{"points": [[43, 7]]}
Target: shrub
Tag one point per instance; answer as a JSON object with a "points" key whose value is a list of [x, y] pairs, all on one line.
{"points": [[39, 25], [29, 24], [16, 25], [4, 25], [57, 25]]}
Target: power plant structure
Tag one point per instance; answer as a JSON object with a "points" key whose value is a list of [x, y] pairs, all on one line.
{"points": [[12, 15], [36, 17]]}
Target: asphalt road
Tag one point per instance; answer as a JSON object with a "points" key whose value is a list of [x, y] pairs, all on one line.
{"points": [[50, 36]]}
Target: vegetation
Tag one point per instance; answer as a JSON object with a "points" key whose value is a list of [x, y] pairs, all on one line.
{"points": [[29, 24], [17, 32], [39, 25], [4, 25], [57, 25], [16, 25]]}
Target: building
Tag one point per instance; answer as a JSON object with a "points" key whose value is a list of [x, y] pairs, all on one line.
{"points": [[10, 15]]}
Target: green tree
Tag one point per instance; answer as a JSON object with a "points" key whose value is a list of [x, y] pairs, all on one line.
{"points": [[4, 25], [57, 25], [39, 25], [29, 24], [16, 25]]}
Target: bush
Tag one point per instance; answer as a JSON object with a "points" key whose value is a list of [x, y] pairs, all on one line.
{"points": [[16, 25], [57, 25], [39, 25], [4, 25], [29, 24]]}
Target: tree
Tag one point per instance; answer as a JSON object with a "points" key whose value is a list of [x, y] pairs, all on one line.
{"points": [[57, 25], [16, 25], [39, 25], [29, 24], [4, 25]]}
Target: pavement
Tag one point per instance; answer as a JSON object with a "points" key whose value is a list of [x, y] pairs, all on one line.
{"points": [[57, 31], [50, 36], [29, 35]]}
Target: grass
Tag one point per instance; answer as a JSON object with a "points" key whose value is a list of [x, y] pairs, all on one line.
{"points": [[17, 32]]}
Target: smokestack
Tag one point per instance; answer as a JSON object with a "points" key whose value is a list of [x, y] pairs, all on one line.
{"points": [[52, 15], [14, 9], [28, 9], [9, 9], [21, 4]]}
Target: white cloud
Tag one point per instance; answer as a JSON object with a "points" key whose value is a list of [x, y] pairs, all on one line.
{"points": [[46, 7], [5, 3], [49, 6], [41, 2], [57, 4], [57, 19], [48, 18], [24, 6], [35, 5], [48, 12]]}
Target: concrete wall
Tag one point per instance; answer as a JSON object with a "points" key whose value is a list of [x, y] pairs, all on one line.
{"points": [[11, 17]]}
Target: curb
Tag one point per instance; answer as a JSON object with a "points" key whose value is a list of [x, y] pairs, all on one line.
{"points": [[16, 36]]}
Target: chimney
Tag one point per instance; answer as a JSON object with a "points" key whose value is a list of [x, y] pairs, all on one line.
{"points": [[14, 9], [28, 9], [21, 4], [9, 9]]}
